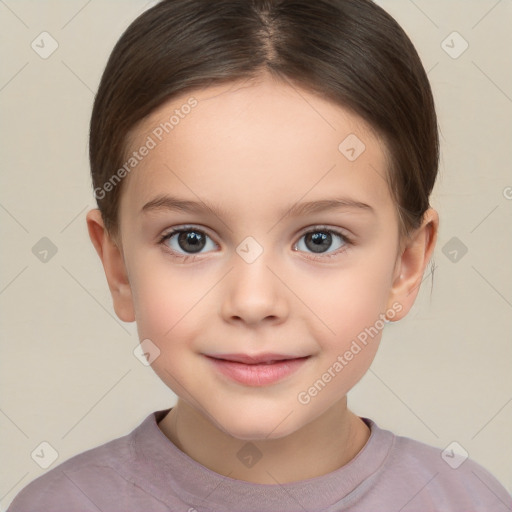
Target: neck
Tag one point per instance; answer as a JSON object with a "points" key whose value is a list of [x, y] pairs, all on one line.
{"points": [[320, 447]]}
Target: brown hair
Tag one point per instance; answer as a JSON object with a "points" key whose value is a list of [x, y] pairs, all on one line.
{"points": [[349, 51]]}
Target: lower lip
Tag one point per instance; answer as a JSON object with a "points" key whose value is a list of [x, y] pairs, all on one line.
{"points": [[258, 374]]}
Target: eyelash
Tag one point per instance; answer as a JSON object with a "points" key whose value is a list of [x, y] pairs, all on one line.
{"points": [[347, 241]]}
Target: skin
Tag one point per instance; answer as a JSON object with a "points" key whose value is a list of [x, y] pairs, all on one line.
{"points": [[256, 148]]}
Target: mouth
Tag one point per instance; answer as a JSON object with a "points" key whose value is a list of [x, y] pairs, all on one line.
{"points": [[256, 370]]}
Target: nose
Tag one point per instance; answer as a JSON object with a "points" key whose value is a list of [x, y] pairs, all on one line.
{"points": [[254, 293]]}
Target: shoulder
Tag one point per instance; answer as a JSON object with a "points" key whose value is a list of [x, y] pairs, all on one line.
{"points": [[66, 486], [97, 479], [446, 479]]}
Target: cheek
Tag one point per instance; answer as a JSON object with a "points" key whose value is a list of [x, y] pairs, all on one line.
{"points": [[348, 326], [347, 301], [166, 301], [167, 311]]}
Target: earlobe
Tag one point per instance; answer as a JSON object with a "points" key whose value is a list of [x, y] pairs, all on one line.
{"points": [[412, 262], [113, 265]]}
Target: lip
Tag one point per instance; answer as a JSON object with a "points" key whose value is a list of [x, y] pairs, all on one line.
{"points": [[265, 357], [257, 370]]}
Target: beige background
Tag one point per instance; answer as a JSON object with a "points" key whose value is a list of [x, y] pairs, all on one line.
{"points": [[68, 373]]}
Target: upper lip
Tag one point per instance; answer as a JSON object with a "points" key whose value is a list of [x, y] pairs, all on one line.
{"points": [[267, 357]]}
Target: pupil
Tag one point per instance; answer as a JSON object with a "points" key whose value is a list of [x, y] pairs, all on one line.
{"points": [[320, 241], [191, 241]]}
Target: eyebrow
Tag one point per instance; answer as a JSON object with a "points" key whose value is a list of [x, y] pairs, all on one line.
{"points": [[166, 202]]}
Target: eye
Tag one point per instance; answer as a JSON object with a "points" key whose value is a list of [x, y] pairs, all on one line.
{"points": [[320, 239], [190, 240], [187, 242]]}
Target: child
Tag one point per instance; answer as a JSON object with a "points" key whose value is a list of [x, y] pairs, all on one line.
{"points": [[263, 170]]}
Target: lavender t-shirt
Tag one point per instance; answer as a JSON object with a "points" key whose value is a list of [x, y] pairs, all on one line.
{"points": [[145, 472]]}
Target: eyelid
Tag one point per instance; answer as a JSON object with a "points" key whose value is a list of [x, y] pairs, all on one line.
{"points": [[185, 227], [313, 228], [325, 227]]}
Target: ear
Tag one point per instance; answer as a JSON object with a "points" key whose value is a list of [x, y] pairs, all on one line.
{"points": [[113, 264], [411, 263]]}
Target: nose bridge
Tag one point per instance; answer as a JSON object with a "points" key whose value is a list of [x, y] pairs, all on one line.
{"points": [[253, 291]]}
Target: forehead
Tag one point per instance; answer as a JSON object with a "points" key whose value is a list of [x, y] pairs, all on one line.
{"points": [[253, 144]]}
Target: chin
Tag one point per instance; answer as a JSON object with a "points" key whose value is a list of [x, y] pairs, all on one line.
{"points": [[257, 425]]}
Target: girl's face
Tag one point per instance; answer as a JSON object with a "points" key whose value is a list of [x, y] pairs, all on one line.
{"points": [[263, 266]]}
